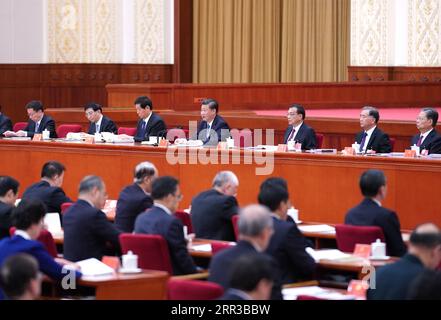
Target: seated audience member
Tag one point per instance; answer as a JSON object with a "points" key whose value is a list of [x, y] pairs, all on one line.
{"points": [[28, 219], [136, 198], [428, 138], [426, 286], [393, 281], [251, 278], [372, 138], [160, 220], [8, 196], [213, 128], [298, 131], [86, 228], [20, 278], [255, 230], [150, 124], [5, 123], [287, 245], [49, 189], [38, 122], [371, 213], [211, 210], [98, 122]]}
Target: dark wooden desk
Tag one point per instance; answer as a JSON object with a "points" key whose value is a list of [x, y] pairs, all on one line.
{"points": [[322, 187]]}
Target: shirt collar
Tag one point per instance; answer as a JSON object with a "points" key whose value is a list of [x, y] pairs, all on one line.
{"points": [[23, 234], [210, 124], [370, 131], [99, 121], [376, 201], [275, 216], [146, 120], [297, 128], [426, 134], [163, 208], [240, 293]]}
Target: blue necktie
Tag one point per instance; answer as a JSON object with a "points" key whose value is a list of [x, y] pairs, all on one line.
{"points": [[363, 141], [208, 131], [36, 127], [97, 128]]}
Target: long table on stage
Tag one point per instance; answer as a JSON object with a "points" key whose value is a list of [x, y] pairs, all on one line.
{"points": [[322, 186]]}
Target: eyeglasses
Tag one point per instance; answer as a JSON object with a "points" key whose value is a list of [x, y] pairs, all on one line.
{"points": [[291, 114], [89, 113]]}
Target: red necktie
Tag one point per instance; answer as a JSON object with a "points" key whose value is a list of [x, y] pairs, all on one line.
{"points": [[420, 141], [291, 135]]}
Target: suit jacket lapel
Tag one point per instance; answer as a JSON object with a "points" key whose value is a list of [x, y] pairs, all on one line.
{"points": [[371, 140], [428, 139]]}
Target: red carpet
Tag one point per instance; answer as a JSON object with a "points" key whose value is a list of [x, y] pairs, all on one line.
{"points": [[385, 114]]}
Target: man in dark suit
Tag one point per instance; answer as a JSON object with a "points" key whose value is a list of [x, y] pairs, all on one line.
{"points": [[136, 198], [393, 281], [160, 220], [5, 123], [28, 219], [371, 138], [8, 196], [213, 128], [49, 189], [429, 140], [287, 245], [298, 131], [370, 212], [38, 122], [255, 230], [251, 278], [150, 124], [212, 210], [98, 122], [86, 228]]}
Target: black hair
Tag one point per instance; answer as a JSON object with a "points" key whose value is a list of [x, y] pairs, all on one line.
{"points": [[35, 105], [248, 270], [27, 213], [300, 110], [164, 186], [212, 104], [371, 181], [16, 273], [94, 106], [272, 196], [8, 183], [431, 114], [144, 102], [275, 181], [373, 112], [51, 169]]}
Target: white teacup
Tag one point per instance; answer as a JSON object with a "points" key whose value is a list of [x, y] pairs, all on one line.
{"points": [[130, 261], [46, 135], [378, 249], [153, 139]]}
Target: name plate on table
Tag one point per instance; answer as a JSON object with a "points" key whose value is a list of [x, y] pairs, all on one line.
{"points": [[89, 140], [37, 137], [410, 154], [282, 148], [362, 250]]}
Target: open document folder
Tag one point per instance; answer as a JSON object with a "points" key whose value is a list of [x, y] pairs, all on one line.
{"points": [[93, 267], [314, 291], [331, 254]]}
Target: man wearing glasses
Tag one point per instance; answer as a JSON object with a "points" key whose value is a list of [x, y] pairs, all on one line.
{"points": [[98, 122], [372, 139], [38, 122], [298, 131]]}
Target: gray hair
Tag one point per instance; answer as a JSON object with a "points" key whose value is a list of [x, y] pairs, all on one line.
{"points": [[224, 177], [253, 220], [143, 170], [89, 183]]}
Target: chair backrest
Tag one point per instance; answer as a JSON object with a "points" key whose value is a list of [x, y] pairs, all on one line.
{"points": [[319, 139], [181, 289], [65, 206], [348, 236], [64, 129], [152, 250], [19, 126], [186, 220], [218, 246], [242, 138], [45, 238], [127, 131], [392, 143], [234, 220]]}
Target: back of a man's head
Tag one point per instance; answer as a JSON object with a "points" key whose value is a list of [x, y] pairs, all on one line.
{"points": [[8, 183], [19, 277], [274, 181], [51, 169], [90, 183], [425, 243], [272, 195], [248, 272], [144, 170], [27, 213], [224, 177], [371, 181], [164, 186], [253, 220]]}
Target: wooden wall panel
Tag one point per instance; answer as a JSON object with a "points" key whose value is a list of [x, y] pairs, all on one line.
{"points": [[68, 85], [414, 74]]}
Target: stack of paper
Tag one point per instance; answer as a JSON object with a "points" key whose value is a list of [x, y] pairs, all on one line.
{"points": [[202, 247], [323, 228], [94, 267], [53, 224], [314, 291], [331, 254]]}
